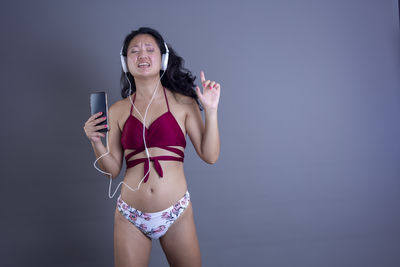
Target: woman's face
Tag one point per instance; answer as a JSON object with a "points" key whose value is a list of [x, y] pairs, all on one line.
{"points": [[143, 56]]}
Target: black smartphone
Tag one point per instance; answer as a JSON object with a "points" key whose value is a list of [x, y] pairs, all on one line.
{"points": [[98, 102]]}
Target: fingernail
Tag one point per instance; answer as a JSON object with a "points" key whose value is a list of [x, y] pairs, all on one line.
{"points": [[100, 112]]}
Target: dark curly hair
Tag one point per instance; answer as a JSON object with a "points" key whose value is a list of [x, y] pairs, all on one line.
{"points": [[177, 78]]}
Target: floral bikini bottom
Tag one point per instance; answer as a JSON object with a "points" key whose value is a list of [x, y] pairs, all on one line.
{"points": [[154, 224]]}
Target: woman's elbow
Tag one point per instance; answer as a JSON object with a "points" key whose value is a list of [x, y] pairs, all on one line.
{"points": [[211, 160]]}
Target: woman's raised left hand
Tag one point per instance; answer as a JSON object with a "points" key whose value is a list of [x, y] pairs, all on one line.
{"points": [[211, 90]]}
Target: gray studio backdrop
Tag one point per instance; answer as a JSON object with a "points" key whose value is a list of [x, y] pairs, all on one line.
{"points": [[308, 173]]}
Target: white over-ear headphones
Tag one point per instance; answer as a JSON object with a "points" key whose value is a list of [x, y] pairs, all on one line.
{"points": [[164, 59]]}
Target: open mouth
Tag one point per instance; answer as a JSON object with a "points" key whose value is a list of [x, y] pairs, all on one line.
{"points": [[143, 65]]}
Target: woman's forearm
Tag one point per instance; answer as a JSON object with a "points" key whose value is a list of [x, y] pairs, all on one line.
{"points": [[107, 163], [210, 145]]}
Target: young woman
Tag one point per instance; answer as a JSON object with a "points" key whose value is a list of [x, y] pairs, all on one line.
{"points": [[155, 203]]}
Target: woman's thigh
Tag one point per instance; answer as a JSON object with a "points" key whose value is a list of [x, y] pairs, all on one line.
{"points": [[131, 246], [180, 243]]}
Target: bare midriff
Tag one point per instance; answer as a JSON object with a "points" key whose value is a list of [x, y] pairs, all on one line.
{"points": [[158, 193]]}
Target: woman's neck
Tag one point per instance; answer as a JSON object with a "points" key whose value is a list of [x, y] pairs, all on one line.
{"points": [[145, 87]]}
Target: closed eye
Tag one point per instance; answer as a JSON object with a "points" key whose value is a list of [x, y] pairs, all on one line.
{"points": [[150, 50]]}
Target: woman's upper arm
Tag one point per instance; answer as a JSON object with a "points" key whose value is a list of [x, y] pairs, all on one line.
{"points": [[195, 127], [114, 134]]}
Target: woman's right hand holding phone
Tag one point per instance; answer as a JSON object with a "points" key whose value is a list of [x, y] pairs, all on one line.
{"points": [[91, 129]]}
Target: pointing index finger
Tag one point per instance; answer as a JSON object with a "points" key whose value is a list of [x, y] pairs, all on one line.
{"points": [[202, 77]]}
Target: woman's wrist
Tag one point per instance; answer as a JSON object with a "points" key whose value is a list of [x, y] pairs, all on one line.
{"points": [[210, 112]]}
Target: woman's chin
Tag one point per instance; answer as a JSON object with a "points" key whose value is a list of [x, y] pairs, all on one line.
{"points": [[145, 74]]}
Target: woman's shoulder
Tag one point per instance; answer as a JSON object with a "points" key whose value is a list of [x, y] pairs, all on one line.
{"points": [[119, 110], [119, 105]]}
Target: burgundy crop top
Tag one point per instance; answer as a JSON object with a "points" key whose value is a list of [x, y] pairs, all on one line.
{"points": [[163, 133]]}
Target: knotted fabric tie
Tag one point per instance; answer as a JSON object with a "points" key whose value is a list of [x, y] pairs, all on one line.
{"points": [[156, 162]]}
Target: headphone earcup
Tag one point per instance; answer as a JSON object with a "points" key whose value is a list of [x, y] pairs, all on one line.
{"points": [[123, 62], [164, 58], [163, 62]]}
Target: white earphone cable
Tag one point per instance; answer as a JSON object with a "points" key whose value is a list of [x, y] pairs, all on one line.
{"points": [[144, 139]]}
